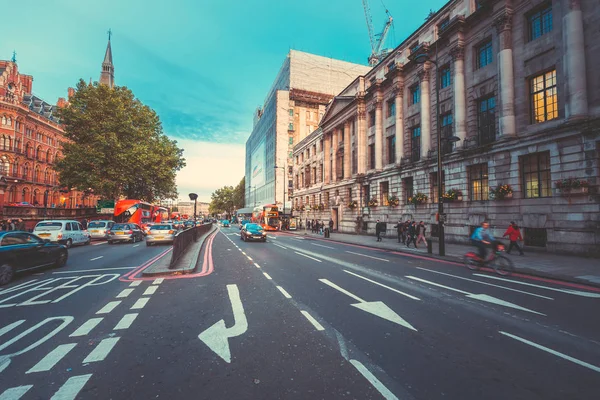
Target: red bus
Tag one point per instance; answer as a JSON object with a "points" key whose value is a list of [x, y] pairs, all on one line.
{"points": [[160, 214], [266, 216], [134, 211], [175, 216]]}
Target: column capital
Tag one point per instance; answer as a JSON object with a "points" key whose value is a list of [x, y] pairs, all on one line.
{"points": [[347, 124], [398, 90], [423, 74], [458, 52], [361, 111], [503, 21]]}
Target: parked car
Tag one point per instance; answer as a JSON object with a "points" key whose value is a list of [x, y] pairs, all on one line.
{"points": [[225, 223], [22, 251], [253, 232], [161, 233], [98, 229], [67, 232], [125, 233]]}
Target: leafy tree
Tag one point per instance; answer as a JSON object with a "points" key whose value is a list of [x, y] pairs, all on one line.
{"points": [[221, 201], [239, 194], [116, 146]]}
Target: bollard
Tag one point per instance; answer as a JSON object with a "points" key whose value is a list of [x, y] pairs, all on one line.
{"points": [[429, 246]]}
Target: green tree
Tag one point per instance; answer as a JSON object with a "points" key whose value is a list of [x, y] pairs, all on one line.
{"points": [[116, 146], [221, 201], [239, 194]]}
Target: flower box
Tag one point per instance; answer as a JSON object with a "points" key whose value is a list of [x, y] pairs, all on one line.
{"points": [[501, 192], [417, 199], [583, 190]]}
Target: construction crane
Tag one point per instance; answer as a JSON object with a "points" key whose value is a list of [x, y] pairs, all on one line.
{"points": [[377, 40]]}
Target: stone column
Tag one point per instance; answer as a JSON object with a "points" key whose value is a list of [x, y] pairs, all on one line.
{"points": [[326, 155], [378, 132], [425, 112], [361, 136], [460, 93], [574, 61], [503, 24], [399, 122], [334, 147], [347, 151]]}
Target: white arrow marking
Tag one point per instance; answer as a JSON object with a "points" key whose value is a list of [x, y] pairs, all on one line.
{"points": [[377, 308], [216, 336], [481, 297], [568, 291]]}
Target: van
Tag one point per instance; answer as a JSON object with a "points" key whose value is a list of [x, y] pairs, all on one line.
{"points": [[67, 232]]}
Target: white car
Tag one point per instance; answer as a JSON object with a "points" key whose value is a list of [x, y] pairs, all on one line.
{"points": [[67, 232]]}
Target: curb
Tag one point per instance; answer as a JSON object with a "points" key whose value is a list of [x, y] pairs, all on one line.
{"points": [[519, 271]]}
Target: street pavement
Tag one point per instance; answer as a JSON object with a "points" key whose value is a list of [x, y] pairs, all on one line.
{"points": [[293, 318]]}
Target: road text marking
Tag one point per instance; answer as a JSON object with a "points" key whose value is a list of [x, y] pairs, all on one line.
{"points": [[109, 307], [126, 321], [283, 291], [307, 256], [102, 349], [364, 255], [52, 358], [313, 321], [86, 327], [385, 392]]}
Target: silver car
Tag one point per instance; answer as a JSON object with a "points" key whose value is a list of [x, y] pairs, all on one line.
{"points": [[125, 232], [98, 229], [161, 233]]}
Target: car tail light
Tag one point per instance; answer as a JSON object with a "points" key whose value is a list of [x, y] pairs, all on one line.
{"points": [[109, 232], [129, 232], [171, 232], [60, 235]]}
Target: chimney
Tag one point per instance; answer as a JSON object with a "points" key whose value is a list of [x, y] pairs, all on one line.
{"points": [[71, 93]]}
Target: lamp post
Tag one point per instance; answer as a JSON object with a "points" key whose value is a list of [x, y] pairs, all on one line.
{"points": [[194, 197], [283, 186]]}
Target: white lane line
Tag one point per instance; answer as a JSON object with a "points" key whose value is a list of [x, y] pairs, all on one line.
{"points": [[101, 350], [256, 265], [91, 270], [304, 255], [15, 393], [86, 327], [124, 293], [486, 283], [10, 327], [126, 321], [267, 276], [313, 321], [553, 352], [275, 244], [150, 290], [437, 284], [158, 281], [135, 283], [243, 252], [347, 293], [249, 258], [98, 244], [568, 291], [109, 307], [320, 245], [284, 292], [385, 392], [272, 237], [382, 285], [52, 358], [135, 245], [364, 255], [140, 303], [71, 388], [96, 258]]}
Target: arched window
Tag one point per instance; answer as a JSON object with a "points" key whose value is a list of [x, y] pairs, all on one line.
{"points": [[47, 176], [36, 174], [9, 143], [15, 168], [26, 171], [38, 153], [9, 121], [12, 194], [27, 150], [17, 145], [4, 143], [24, 194], [4, 166], [3, 120], [48, 156]]}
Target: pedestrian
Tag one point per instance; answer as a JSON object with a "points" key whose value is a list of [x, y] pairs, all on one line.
{"points": [[84, 224], [421, 233], [514, 235], [399, 230], [378, 230], [322, 227], [20, 225], [330, 225], [412, 234], [11, 225]]}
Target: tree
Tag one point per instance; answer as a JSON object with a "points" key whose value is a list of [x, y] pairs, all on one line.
{"points": [[116, 146], [221, 201], [239, 194]]}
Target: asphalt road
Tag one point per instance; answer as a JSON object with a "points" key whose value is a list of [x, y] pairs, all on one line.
{"points": [[293, 318]]}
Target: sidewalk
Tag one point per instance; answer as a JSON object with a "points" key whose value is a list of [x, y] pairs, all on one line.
{"points": [[567, 268]]}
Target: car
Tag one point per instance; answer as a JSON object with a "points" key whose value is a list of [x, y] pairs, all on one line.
{"points": [[253, 232], [98, 229], [67, 232], [22, 251], [225, 223], [128, 232], [188, 224], [146, 227], [161, 233], [244, 222]]}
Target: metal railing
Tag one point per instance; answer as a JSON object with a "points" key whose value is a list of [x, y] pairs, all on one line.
{"points": [[184, 238]]}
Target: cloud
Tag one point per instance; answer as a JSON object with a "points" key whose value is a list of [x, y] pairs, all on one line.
{"points": [[210, 166]]}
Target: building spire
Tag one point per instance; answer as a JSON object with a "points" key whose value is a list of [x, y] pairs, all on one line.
{"points": [[14, 57], [107, 76]]}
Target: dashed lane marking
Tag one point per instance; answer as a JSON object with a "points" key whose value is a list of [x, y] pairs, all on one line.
{"points": [[135, 283], [280, 246], [101, 351], [249, 258], [385, 392], [109, 307], [320, 245], [135, 245], [382, 285], [52, 358], [71, 388], [364, 255], [158, 281], [15, 393], [150, 290], [307, 256], [256, 265], [86, 327], [284, 292], [140, 303], [96, 258], [267, 276], [126, 321], [313, 321], [124, 293]]}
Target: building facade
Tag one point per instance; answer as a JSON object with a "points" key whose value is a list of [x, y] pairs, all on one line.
{"points": [[518, 119], [292, 110]]}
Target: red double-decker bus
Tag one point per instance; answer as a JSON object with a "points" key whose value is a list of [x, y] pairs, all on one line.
{"points": [[266, 216], [133, 211], [160, 214]]}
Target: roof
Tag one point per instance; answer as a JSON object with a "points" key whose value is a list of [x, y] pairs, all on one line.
{"points": [[108, 54], [39, 106]]}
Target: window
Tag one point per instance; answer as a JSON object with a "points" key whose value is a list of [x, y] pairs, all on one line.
{"points": [[407, 186], [371, 156], [445, 77], [544, 101], [415, 94], [291, 111], [391, 148], [391, 108], [536, 175], [291, 140], [484, 54], [414, 47], [478, 182], [415, 143], [446, 130], [384, 193], [349, 193], [307, 153], [290, 127], [366, 193], [433, 184], [371, 118], [444, 24], [540, 22], [354, 162], [486, 120]]}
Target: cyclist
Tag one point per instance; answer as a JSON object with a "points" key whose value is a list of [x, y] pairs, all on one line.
{"points": [[482, 238]]}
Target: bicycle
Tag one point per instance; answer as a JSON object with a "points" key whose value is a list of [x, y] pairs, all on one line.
{"points": [[499, 262]]}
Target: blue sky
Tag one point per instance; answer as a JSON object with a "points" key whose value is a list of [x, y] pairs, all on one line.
{"points": [[203, 65]]}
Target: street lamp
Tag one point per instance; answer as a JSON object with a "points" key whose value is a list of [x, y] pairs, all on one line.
{"points": [[422, 59], [194, 197], [282, 185]]}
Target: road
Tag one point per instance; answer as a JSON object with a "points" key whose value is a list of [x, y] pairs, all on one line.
{"points": [[293, 318]]}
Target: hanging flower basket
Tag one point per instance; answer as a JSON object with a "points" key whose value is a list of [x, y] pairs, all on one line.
{"points": [[501, 192], [419, 198], [353, 204], [452, 195], [321, 207], [372, 203], [572, 186], [394, 201]]}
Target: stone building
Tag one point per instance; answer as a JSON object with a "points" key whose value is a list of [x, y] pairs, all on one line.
{"points": [[292, 110], [519, 108]]}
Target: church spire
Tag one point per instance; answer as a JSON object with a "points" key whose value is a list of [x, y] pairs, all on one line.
{"points": [[107, 76]]}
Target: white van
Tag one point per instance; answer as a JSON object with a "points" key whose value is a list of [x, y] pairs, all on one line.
{"points": [[67, 232]]}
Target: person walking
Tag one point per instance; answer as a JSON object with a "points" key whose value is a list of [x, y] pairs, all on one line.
{"points": [[11, 225], [412, 234], [514, 235], [421, 228], [84, 224], [330, 225], [399, 230], [21, 225]]}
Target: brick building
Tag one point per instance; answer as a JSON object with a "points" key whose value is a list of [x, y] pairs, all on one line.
{"points": [[518, 97]]}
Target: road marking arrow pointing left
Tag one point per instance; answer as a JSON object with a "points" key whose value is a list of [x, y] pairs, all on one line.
{"points": [[216, 337]]}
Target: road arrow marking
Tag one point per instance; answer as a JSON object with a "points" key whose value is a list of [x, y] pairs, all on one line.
{"points": [[216, 336], [377, 308], [481, 297]]}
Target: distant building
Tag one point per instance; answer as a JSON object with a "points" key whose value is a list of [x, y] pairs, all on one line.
{"points": [[292, 110], [107, 76]]}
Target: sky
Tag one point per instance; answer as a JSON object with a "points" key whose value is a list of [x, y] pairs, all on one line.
{"points": [[203, 65]]}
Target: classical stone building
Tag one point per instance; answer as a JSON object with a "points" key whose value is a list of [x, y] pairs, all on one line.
{"points": [[519, 99], [292, 110]]}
